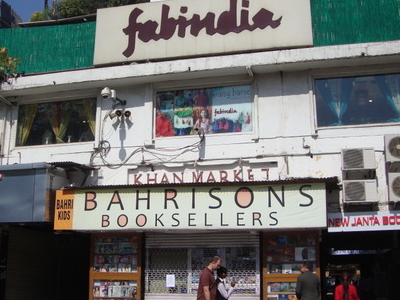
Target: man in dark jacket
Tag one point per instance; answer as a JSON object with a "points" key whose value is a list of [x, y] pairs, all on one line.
{"points": [[308, 284]]}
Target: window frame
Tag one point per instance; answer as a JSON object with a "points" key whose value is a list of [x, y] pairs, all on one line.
{"points": [[206, 83], [54, 98], [337, 73]]}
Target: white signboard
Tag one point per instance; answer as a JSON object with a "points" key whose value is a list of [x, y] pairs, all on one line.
{"points": [[183, 28], [363, 221], [193, 207]]}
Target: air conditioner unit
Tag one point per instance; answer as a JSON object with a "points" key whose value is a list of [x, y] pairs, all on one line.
{"points": [[360, 191], [394, 187], [392, 147], [358, 159]]}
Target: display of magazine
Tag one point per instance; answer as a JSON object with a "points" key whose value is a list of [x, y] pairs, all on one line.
{"points": [[311, 240], [292, 286], [275, 254], [275, 268], [274, 287], [287, 269], [124, 268], [291, 240], [302, 240], [117, 289], [271, 240], [283, 296], [305, 254], [284, 287], [281, 240], [109, 255], [289, 254], [296, 268]]}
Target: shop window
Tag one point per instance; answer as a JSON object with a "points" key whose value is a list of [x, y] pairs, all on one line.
{"points": [[358, 100], [284, 255], [115, 289], [115, 271], [56, 122], [186, 264], [208, 111]]}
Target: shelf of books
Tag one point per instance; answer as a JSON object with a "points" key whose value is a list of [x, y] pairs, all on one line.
{"points": [[284, 252], [115, 269]]}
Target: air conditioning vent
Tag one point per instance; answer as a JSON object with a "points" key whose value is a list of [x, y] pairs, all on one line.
{"points": [[392, 147], [359, 191], [358, 159], [394, 187]]}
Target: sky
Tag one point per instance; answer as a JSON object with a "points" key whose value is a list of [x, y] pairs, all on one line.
{"points": [[25, 8]]}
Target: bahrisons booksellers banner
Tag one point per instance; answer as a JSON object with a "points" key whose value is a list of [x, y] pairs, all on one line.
{"points": [[192, 207]]}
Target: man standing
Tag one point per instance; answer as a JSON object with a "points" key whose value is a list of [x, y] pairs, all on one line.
{"points": [[207, 285], [308, 284]]}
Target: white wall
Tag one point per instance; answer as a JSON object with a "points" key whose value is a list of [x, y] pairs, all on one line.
{"points": [[285, 131]]}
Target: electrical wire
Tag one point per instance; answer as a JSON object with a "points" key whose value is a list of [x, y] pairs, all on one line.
{"points": [[104, 148]]}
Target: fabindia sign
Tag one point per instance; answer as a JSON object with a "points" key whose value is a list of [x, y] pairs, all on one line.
{"points": [[183, 28], [192, 207]]}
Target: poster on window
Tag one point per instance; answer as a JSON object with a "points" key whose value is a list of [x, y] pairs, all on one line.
{"points": [[204, 111]]}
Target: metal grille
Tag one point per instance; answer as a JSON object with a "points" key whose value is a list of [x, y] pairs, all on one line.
{"points": [[353, 158], [355, 191], [187, 263]]}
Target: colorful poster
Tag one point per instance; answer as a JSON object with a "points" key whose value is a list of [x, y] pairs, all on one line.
{"points": [[204, 111]]}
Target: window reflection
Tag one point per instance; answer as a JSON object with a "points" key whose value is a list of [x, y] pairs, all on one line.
{"points": [[358, 100], [56, 122]]}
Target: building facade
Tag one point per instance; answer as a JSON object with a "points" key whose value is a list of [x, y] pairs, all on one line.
{"points": [[265, 132], [8, 17]]}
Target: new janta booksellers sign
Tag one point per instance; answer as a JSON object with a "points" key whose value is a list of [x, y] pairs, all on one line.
{"points": [[192, 207], [182, 28]]}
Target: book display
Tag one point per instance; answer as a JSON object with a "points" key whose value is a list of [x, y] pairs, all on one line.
{"points": [[115, 254], [282, 258], [115, 267], [114, 289]]}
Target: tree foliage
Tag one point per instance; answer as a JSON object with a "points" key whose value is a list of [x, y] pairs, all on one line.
{"points": [[8, 65], [73, 8]]}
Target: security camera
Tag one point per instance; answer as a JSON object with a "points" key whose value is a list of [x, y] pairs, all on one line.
{"points": [[108, 93]]}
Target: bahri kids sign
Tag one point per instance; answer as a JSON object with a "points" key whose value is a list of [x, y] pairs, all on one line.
{"points": [[192, 207], [182, 28]]}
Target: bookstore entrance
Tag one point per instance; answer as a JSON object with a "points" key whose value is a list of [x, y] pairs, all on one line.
{"points": [[370, 258]]}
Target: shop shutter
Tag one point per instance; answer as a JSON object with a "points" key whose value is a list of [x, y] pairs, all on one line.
{"points": [[30, 265], [203, 239], [186, 254]]}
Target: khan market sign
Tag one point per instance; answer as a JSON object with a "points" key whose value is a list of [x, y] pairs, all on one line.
{"points": [[192, 207], [182, 28], [199, 175], [362, 221]]}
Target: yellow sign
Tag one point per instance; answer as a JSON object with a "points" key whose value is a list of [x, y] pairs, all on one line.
{"points": [[64, 210]]}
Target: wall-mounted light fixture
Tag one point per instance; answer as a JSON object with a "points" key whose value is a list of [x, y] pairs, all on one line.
{"points": [[109, 94], [116, 113]]}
